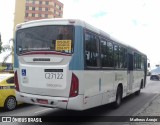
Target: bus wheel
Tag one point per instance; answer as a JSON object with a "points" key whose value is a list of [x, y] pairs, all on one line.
{"points": [[138, 92], [118, 101]]}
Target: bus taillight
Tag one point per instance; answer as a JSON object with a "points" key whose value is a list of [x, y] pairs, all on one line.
{"points": [[74, 86], [16, 81]]}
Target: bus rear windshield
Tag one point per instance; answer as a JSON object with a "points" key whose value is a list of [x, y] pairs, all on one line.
{"points": [[45, 38]]}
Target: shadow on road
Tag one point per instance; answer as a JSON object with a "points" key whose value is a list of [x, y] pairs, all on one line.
{"points": [[105, 114], [96, 111], [19, 107]]}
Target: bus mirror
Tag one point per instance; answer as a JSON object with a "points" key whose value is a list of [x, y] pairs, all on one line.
{"points": [[148, 64]]}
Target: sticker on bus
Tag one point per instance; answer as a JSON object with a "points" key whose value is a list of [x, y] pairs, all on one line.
{"points": [[23, 72], [63, 45]]}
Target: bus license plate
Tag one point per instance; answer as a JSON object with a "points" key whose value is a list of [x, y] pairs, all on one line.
{"points": [[42, 101], [51, 75]]}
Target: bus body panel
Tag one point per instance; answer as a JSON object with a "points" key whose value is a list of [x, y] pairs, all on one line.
{"points": [[121, 78], [107, 79], [138, 78], [92, 88], [60, 102], [49, 80], [134, 81], [76, 103], [77, 62]]}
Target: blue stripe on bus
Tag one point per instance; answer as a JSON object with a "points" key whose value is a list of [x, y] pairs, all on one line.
{"points": [[16, 65], [77, 62]]}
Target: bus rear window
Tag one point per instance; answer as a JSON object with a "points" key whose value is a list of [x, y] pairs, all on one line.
{"points": [[45, 38]]}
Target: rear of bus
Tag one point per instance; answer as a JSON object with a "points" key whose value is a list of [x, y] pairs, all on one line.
{"points": [[43, 52]]}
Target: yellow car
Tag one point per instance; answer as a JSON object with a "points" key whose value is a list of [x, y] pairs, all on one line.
{"points": [[7, 92]]}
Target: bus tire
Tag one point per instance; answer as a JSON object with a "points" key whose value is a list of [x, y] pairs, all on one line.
{"points": [[138, 92], [118, 101]]}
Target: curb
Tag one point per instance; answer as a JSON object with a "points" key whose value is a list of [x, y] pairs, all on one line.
{"points": [[146, 105]]}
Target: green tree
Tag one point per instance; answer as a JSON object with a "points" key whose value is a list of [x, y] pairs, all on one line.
{"points": [[7, 47], [4, 48]]}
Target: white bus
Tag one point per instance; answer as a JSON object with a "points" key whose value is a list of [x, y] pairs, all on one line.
{"points": [[69, 64]]}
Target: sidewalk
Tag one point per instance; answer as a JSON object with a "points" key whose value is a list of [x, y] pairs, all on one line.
{"points": [[150, 109]]}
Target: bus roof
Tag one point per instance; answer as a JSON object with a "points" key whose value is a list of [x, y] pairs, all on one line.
{"points": [[60, 21], [75, 22]]}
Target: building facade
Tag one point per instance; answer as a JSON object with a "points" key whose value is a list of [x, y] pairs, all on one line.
{"points": [[27, 10], [41, 9]]}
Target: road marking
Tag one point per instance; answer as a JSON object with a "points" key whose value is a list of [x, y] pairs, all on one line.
{"points": [[43, 110]]}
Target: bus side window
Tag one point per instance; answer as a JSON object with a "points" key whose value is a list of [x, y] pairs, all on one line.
{"points": [[106, 53], [91, 50], [130, 60], [110, 54]]}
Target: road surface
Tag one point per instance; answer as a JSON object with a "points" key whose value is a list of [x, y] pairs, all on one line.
{"points": [[129, 107]]}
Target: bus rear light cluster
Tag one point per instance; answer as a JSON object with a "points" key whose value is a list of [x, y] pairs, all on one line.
{"points": [[16, 81], [74, 86]]}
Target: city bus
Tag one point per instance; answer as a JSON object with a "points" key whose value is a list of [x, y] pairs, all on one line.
{"points": [[70, 64]]}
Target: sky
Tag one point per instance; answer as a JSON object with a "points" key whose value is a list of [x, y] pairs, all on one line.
{"points": [[6, 23], [134, 22]]}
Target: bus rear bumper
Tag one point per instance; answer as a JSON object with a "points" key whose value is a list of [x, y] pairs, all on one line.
{"points": [[76, 103], [46, 101]]}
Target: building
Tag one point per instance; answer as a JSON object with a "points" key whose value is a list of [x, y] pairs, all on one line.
{"points": [[41, 9], [26, 10]]}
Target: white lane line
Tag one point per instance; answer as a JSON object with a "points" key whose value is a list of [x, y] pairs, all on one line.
{"points": [[43, 110]]}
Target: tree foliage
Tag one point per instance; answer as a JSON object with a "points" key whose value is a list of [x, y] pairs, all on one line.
{"points": [[3, 48]]}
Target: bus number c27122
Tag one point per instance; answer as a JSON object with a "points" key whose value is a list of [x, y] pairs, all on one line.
{"points": [[53, 75]]}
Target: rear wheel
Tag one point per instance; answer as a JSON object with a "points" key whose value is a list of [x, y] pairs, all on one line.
{"points": [[10, 103], [118, 101], [138, 92]]}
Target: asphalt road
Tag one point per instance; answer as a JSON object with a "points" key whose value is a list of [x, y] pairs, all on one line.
{"points": [[130, 106]]}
